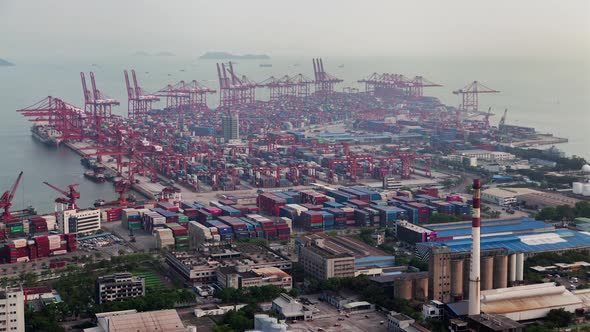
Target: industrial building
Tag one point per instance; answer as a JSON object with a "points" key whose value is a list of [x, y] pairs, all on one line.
{"points": [[265, 323], [118, 287], [523, 303], [487, 155], [199, 268], [531, 198], [502, 258], [12, 309], [131, 320], [324, 256], [80, 222], [290, 309], [230, 277], [398, 322]]}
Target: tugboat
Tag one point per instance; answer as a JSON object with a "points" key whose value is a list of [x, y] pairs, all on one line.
{"points": [[95, 176]]}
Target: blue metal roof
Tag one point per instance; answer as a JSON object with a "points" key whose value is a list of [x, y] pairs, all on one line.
{"points": [[380, 261], [492, 227], [513, 243]]}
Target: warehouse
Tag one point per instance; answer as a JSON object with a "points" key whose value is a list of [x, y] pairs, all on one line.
{"points": [[529, 302]]}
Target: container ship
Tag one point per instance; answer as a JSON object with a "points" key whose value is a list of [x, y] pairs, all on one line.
{"points": [[46, 135], [95, 176]]}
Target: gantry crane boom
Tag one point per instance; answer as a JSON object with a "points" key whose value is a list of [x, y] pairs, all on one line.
{"points": [[8, 196]]}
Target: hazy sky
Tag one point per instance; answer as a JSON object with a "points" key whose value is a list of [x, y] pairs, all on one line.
{"points": [[300, 27]]}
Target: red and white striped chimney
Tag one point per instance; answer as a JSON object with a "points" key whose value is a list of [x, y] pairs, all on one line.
{"points": [[475, 273]]}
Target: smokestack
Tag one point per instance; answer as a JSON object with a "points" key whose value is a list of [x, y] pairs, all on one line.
{"points": [[475, 271]]}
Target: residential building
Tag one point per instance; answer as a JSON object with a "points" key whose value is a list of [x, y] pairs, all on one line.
{"points": [[12, 310], [119, 286], [290, 309]]}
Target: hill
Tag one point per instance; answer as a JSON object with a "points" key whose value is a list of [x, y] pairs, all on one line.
{"points": [[229, 56], [5, 63]]}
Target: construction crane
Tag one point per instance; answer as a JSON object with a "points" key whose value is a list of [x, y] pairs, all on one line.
{"points": [[70, 196], [139, 102], [470, 96], [7, 197]]}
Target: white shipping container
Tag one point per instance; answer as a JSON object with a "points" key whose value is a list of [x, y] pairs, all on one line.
{"points": [[59, 252], [19, 243], [22, 259]]}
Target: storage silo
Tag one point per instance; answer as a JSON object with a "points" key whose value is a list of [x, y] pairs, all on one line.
{"points": [[421, 289], [520, 266], [586, 189], [487, 273], [402, 289], [500, 271], [457, 278], [577, 188], [512, 270]]}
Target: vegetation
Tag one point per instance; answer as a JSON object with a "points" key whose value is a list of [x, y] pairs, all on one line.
{"points": [[565, 212], [559, 317], [369, 291], [43, 321], [365, 236], [250, 295], [563, 164], [550, 258]]}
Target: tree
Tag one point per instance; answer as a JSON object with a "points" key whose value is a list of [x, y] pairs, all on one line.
{"points": [[560, 317]]}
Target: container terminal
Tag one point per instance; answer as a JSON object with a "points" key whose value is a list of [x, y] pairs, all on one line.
{"points": [[304, 169]]}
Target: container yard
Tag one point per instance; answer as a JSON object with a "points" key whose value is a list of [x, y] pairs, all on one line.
{"points": [[307, 132]]}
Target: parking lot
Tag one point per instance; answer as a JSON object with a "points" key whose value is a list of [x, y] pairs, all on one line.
{"points": [[144, 241]]}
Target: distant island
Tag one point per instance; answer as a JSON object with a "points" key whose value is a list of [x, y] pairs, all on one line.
{"points": [[141, 53], [229, 56], [5, 63], [165, 54]]}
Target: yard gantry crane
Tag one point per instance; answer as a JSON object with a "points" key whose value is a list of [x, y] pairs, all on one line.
{"points": [[70, 196], [324, 82], [470, 96], [7, 197], [139, 102]]}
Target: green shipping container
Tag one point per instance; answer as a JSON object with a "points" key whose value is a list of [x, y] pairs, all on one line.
{"points": [[181, 246], [182, 219], [181, 238], [16, 229]]}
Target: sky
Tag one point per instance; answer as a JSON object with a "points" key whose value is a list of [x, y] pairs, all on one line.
{"points": [[302, 27]]}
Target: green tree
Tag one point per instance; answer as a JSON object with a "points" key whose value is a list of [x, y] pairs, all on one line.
{"points": [[560, 317]]}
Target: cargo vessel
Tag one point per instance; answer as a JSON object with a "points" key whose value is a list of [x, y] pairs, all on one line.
{"points": [[95, 176], [46, 135], [265, 65]]}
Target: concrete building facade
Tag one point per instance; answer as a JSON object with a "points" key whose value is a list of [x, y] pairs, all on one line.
{"points": [[12, 310], [119, 286]]}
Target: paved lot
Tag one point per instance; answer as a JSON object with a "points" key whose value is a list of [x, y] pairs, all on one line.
{"points": [[328, 318], [143, 239]]}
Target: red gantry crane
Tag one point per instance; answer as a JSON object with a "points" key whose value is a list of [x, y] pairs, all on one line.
{"points": [[470, 96], [324, 82], [7, 197], [139, 101], [70, 196]]}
